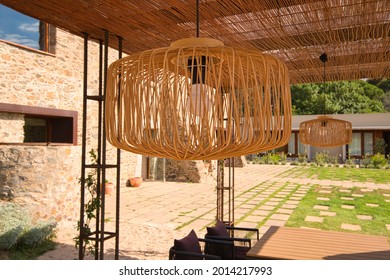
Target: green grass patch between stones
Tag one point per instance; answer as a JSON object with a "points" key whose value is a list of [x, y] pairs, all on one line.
{"points": [[379, 210], [381, 176]]}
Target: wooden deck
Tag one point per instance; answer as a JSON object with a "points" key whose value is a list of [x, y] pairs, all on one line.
{"points": [[310, 244]]}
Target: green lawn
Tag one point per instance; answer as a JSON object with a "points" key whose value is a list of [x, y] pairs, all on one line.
{"points": [[359, 199], [381, 176]]}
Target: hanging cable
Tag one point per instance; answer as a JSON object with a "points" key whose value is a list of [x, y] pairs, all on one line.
{"points": [[197, 18], [324, 59]]}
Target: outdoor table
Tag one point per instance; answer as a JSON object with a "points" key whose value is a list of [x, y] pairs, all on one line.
{"points": [[286, 243]]}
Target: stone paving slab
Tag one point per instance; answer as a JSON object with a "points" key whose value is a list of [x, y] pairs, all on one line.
{"points": [[314, 219], [321, 207], [328, 213], [285, 211], [246, 206], [372, 205], [293, 202], [283, 217], [323, 198], [364, 217], [274, 199], [289, 206], [275, 223], [345, 191], [271, 203], [260, 212], [351, 227], [266, 207], [310, 228], [347, 206], [324, 192], [295, 198], [255, 219]]}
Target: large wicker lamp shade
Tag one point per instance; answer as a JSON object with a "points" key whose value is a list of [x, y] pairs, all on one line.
{"points": [[325, 131], [198, 99]]}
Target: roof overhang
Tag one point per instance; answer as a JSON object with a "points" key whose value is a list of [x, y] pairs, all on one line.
{"points": [[354, 34]]}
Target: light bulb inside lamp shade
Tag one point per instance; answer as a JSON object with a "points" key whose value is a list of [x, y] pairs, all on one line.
{"points": [[325, 131], [198, 99]]}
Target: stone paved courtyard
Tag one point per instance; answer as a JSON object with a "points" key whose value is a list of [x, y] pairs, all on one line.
{"points": [[262, 199], [157, 212]]}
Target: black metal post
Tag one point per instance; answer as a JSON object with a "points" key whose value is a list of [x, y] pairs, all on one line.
{"points": [[83, 149]]}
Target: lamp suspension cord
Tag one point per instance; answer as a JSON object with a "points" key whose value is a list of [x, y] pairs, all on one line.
{"points": [[324, 59], [197, 18]]}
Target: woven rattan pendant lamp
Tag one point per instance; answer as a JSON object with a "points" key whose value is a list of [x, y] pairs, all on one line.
{"points": [[198, 99], [325, 131]]}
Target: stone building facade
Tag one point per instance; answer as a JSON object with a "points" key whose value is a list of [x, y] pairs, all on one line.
{"points": [[44, 176]]}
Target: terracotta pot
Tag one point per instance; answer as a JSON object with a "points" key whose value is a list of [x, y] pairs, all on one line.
{"points": [[108, 188], [135, 182]]}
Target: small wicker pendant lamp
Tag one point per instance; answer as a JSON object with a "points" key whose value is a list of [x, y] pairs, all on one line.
{"points": [[198, 99], [325, 131]]}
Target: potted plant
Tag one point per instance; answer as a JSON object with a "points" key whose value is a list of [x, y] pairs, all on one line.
{"points": [[136, 180], [109, 188]]}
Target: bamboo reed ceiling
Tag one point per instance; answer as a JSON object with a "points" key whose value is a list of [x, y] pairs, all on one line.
{"points": [[354, 33]]}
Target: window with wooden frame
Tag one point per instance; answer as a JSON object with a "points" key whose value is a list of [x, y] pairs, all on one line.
{"points": [[45, 126], [295, 147], [362, 144], [26, 32]]}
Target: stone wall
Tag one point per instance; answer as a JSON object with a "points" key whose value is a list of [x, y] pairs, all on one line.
{"points": [[11, 128], [46, 177]]}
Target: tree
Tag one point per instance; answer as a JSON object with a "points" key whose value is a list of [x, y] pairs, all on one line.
{"points": [[383, 84], [344, 97]]}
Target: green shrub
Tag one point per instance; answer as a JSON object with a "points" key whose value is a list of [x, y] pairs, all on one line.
{"points": [[350, 163], [17, 230], [379, 161], [257, 160], [13, 221], [9, 238], [324, 158], [38, 234], [365, 161], [272, 158], [302, 158], [380, 146]]}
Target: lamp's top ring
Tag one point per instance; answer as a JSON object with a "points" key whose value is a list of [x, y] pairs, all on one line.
{"points": [[324, 117], [197, 42]]}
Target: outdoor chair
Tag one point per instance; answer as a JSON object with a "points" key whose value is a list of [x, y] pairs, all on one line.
{"points": [[238, 246], [190, 248]]}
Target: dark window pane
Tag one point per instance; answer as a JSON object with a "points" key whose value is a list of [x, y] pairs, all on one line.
{"points": [[35, 130]]}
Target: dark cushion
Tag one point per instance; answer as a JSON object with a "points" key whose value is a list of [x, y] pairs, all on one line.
{"points": [[190, 243], [218, 230]]}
